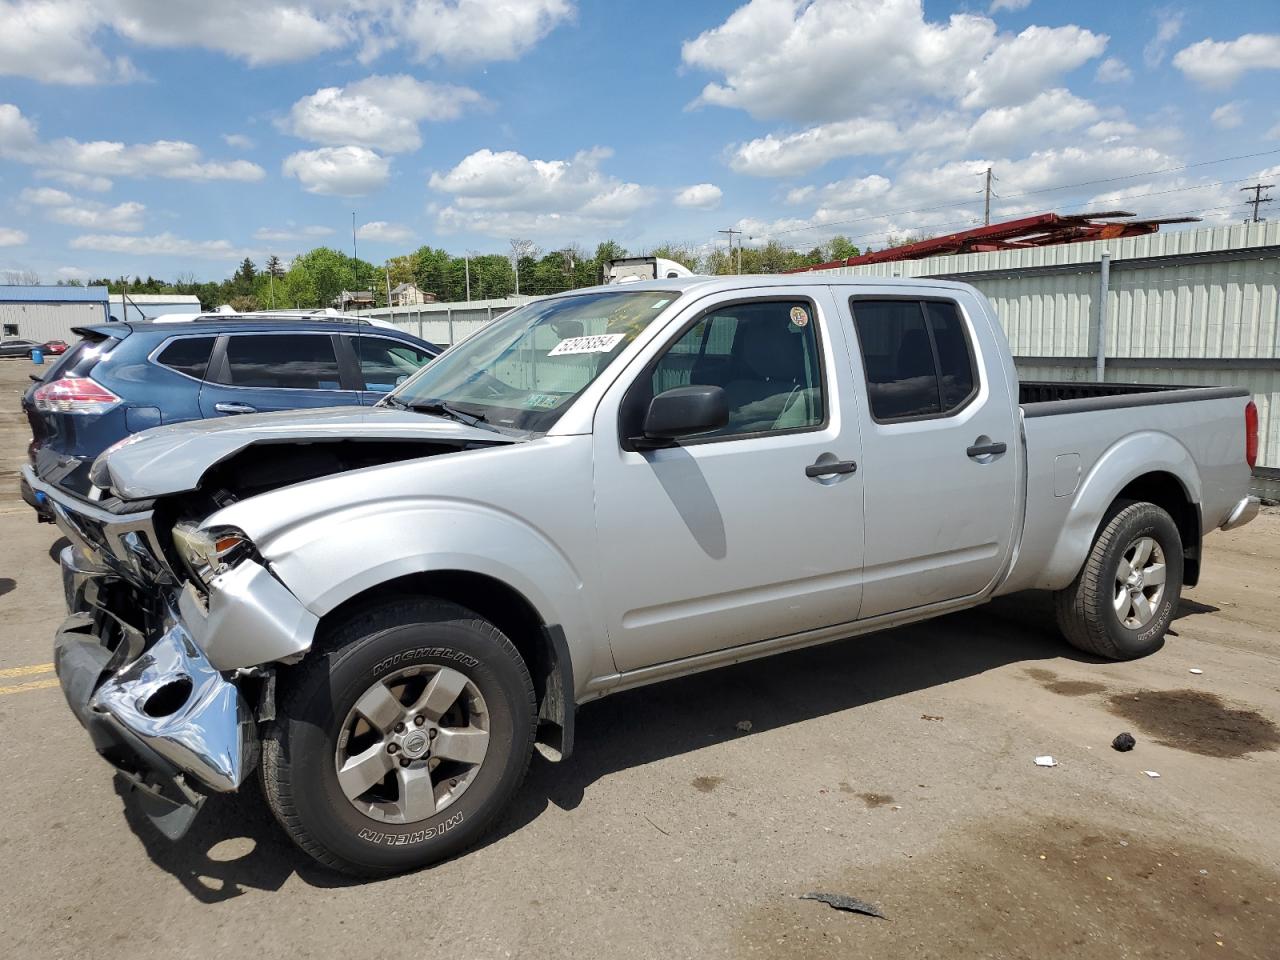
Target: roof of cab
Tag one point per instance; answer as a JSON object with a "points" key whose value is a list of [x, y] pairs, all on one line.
{"points": [[717, 284]]}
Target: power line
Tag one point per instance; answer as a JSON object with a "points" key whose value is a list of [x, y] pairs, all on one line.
{"points": [[731, 232], [1258, 198]]}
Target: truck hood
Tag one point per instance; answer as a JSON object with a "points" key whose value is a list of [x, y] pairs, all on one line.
{"points": [[172, 459]]}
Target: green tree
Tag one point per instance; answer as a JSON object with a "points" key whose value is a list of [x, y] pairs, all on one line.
{"points": [[840, 248]]}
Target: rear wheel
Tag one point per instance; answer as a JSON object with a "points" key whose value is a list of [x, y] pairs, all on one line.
{"points": [[1120, 604], [401, 740]]}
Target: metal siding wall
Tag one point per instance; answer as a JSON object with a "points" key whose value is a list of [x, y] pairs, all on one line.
{"points": [[50, 321]]}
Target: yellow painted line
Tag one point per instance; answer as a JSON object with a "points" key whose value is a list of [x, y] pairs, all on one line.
{"points": [[10, 672], [31, 685]]}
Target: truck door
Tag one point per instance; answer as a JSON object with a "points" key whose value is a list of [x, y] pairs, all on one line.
{"points": [[749, 533], [940, 449]]}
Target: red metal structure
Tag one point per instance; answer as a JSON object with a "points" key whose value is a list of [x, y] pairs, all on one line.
{"points": [[1042, 230]]}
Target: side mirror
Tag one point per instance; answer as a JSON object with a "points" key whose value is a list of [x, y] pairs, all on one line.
{"points": [[683, 412]]}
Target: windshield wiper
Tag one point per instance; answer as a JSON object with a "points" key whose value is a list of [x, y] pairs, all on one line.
{"points": [[395, 402], [440, 408]]}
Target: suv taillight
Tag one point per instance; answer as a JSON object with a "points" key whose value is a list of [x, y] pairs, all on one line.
{"points": [[1251, 433], [74, 395]]}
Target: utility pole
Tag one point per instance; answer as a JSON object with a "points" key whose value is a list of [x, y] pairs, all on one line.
{"points": [[354, 254], [731, 232], [1258, 198], [987, 194], [466, 260], [388, 269]]}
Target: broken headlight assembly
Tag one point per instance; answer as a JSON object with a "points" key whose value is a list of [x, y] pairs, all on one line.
{"points": [[207, 553]]}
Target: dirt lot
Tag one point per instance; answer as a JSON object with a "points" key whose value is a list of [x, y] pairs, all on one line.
{"points": [[896, 768]]}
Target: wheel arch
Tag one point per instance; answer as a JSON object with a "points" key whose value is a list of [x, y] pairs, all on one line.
{"points": [[1148, 465], [542, 645]]}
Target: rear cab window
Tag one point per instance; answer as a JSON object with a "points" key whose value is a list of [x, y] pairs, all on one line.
{"points": [[78, 360], [916, 355], [281, 360]]}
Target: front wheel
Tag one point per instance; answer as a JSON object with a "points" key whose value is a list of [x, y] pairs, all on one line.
{"points": [[1120, 604], [401, 739]]}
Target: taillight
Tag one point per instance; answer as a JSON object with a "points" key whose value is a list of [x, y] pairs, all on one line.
{"points": [[74, 395], [1251, 433]]}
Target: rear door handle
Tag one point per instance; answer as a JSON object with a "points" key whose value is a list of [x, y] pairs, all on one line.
{"points": [[986, 449], [830, 467], [234, 408]]}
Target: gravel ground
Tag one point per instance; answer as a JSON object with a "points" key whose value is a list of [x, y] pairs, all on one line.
{"points": [[895, 768]]}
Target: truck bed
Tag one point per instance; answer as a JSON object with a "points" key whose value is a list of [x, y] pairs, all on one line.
{"points": [[1051, 398]]}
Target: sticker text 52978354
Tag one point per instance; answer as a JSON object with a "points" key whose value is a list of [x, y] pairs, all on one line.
{"points": [[601, 343]]}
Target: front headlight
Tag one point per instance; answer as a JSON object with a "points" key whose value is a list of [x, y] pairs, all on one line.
{"points": [[207, 553]]}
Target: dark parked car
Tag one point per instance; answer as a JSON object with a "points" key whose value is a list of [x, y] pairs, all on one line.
{"points": [[18, 348], [125, 377]]}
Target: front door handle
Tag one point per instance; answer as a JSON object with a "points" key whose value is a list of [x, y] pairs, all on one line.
{"points": [[826, 469], [234, 408], [989, 449]]}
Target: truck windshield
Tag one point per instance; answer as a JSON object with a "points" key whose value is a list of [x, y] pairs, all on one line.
{"points": [[523, 370]]}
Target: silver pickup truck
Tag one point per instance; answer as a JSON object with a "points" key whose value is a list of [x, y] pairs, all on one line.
{"points": [[387, 610]]}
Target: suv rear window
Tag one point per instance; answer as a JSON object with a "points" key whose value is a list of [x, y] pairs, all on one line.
{"points": [[288, 360], [189, 355]]}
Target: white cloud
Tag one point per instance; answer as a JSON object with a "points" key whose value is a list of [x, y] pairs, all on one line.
{"points": [[45, 197], [1228, 116], [290, 233], [700, 196], [161, 245], [505, 192], [52, 41], [480, 30], [380, 231], [382, 112], [1111, 130], [237, 140], [997, 129], [1054, 111], [88, 215], [946, 197], [1219, 64], [71, 273], [256, 32], [1168, 26], [172, 159], [1008, 5], [829, 59], [1017, 69], [348, 171], [58, 41], [1113, 70], [80, 181], [9, 237], [779, 156]]}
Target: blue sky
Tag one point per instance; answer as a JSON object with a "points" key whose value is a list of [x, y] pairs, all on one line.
{"points": [[173, 137]]}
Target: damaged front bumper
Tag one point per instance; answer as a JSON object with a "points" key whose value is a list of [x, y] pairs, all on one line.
{"points": [[167, 721], [170, 683]]}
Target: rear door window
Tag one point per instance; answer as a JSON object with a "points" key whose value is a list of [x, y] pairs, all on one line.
{"points": [[189, 355], [284, 361], [916, 355], [385, 363]]}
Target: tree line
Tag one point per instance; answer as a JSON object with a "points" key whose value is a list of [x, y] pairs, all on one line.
{"points": [[316, 278]]}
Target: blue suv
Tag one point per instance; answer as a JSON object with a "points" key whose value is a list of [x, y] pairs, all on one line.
{"points": [[125, 377]]}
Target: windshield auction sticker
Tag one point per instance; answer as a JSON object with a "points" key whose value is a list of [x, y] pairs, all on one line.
{"points": [[597, 344]]}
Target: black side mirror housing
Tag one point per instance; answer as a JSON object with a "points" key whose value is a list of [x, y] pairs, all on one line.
{"points": [[683, 412]]}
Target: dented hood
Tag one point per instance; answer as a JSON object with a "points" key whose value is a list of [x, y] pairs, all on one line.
{"points": [[172, 459]]}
